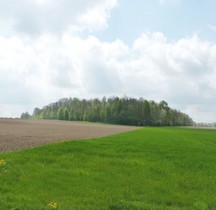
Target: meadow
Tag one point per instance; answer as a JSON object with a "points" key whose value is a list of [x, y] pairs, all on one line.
{"points": [[163, 168]]}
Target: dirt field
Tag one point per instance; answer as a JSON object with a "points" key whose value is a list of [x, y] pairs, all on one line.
{"points": [[18, 134]]}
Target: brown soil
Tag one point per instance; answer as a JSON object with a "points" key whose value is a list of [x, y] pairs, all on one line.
{"points": [[18, 134]]}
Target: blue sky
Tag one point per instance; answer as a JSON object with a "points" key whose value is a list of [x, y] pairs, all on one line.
{"points": [[155, 49], [176, 19]]}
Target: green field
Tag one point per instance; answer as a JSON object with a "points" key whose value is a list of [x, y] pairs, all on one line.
{"points": [[150, 168]]}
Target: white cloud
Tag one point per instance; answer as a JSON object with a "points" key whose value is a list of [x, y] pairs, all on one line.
{"points": [[182, 73], [37, 66], [35, 17], [97, 16]]}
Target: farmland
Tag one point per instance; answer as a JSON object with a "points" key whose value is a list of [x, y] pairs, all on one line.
{"points": [[149, 168], [18, 134]]}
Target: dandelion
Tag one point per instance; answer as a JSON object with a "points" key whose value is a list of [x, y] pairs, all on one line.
{"points": [[2, 162], [52, 205]]}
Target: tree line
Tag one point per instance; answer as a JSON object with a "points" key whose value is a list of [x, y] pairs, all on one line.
{"points": [[113, 110]]}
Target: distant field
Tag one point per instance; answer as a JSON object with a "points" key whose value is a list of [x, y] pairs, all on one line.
{"points": [[146, 169], [20, 134]]}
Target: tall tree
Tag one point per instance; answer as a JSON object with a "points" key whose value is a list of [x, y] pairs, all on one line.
{"points": [[125, 111], [25, 116], [60, 113]]}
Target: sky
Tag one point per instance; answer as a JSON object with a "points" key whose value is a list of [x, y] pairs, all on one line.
{"points": [[154, 49]]}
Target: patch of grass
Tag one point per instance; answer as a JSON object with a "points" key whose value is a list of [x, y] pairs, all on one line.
{"points": [[150, 168]]}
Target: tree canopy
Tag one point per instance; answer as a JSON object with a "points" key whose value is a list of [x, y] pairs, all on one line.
{"points": [[25, 116], [114, 110]]}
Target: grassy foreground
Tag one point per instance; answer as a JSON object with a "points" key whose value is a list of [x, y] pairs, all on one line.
{"points": [[151, 168]]}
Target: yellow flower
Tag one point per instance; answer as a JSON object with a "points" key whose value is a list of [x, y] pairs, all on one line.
{"points": [[2, 162], [52, 205]]}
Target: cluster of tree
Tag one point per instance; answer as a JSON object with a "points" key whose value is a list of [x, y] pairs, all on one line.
{"points": [[207, 125], [25, 116], [124, 111]]}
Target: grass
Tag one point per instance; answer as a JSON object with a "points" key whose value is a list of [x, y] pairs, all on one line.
{"points": [[150, 168]]}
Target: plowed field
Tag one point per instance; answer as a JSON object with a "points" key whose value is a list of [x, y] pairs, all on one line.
{"points": [[18, 134]]}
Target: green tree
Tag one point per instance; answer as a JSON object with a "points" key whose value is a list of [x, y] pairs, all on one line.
{"points": [[66, 114], [25, 116], [36, 113], [146, 113], [126, 111], [60, 113]]}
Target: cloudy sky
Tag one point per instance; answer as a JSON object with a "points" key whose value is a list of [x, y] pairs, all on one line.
{"points": [[155, 49]]}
